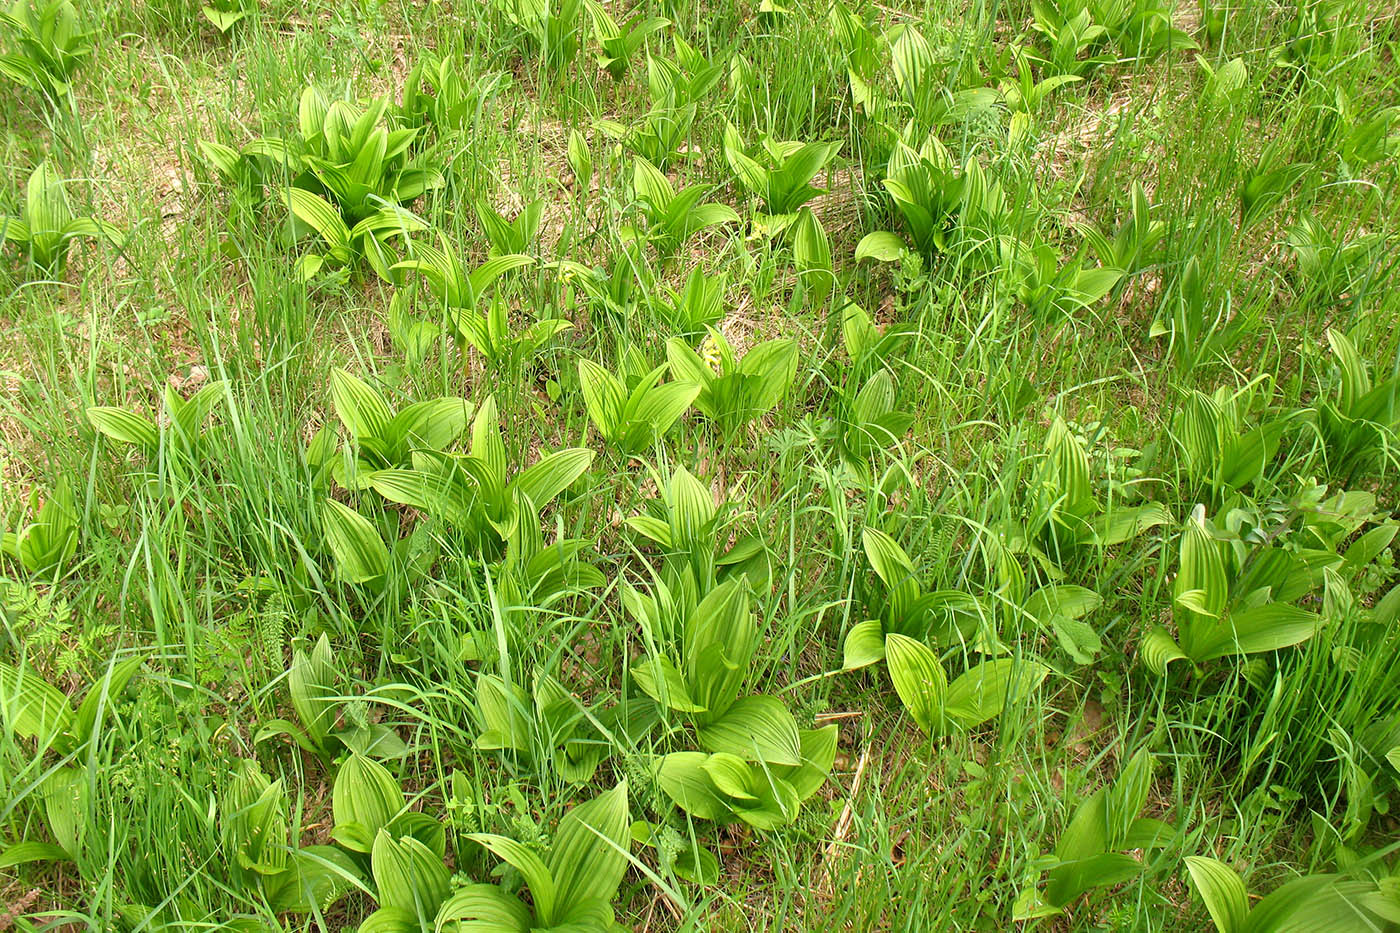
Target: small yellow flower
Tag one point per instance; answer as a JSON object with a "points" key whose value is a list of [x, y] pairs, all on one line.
{"points": [[709, 352]]}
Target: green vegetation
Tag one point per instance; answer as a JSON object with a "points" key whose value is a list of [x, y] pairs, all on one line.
{"points": [[586, 465]]}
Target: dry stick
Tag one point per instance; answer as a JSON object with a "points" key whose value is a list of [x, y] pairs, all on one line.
{"points": [[843, 825]]}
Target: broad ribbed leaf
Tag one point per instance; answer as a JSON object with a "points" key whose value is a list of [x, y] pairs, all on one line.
{"points": [[359, 552], [755, 728], [543, 481], [1222, 890], [605, 398], [984, 690], [366, 796], [483, 908], [1157, 650], [311, 685], [125, 427], [536, 874], [683, 777], [408, 875], [30, 706], [864, 645], [589, 854], [315, 212], [918, 679]]}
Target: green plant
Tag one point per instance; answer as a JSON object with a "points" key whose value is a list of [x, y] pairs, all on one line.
{"points": [[811, 252], [928, 193], [1364, 137], [781, 173], [381, 438], [370, 238], [474, 493], [1198, 327], [550, 28], [1065, 513], [620, 43], [1336, 267], [633, 412], [757, 765], [354, 174], [32, 708], [1227, 601], [1073, 41], [734, 391], [980, 693], [724, 788], [572, 888], [549, 724], [261, 859], [49, 46], [223, 15], [1310, 902], [1132, 247], [1266, 183], [611, 291], [1051, 289], [49, 541], [187, 420], [1075, 28], [356, 155], [672, 216], [698, 305], [1024, 95], [328, 721], [866, 418], [692, 530], [461, 291], [46, 225], [1090, 851], [1228, 439], [510, 237], [454, 103], [1362, 425]]}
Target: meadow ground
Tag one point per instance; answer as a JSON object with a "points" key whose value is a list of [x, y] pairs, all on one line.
{"points": [[699, 465]]}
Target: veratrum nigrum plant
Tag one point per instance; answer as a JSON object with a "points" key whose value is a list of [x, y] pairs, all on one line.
{"points": [[49, 539], [633, 410], [672, 216], [436, 94], [46, 225], [757, 765], [328, 720], [478, 493], [692, 532], [779, 172], [262, 856], [186, 420], [33, 709], [571, 888], [223, 15], [47, 45], [460, 290], [977, 695], [1242, 576], [354, 173], [1360, 427], [734, 391], [381, 438], [619, 43], [1092, 849], [1310, 902], [547, 28], [698, 305], [549, 725]]}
